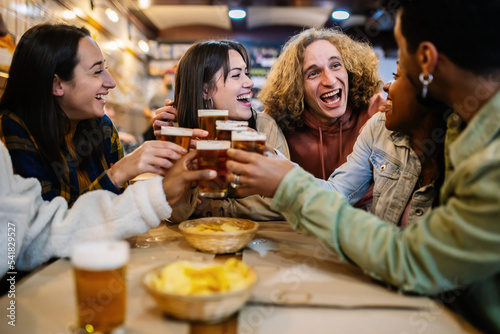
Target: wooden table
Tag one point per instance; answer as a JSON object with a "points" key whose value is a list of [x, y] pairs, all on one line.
{"points": [[301, 288]]}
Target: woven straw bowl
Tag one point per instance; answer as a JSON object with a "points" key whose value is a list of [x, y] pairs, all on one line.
{"points": [[206, 308], [219, 242]]}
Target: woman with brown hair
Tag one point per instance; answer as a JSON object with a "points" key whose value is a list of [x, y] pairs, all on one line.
{"points": [[60, 134], [214, 74]]}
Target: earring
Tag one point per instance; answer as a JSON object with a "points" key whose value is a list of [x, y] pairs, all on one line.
{"points": [[425, 83], [208, 104]]}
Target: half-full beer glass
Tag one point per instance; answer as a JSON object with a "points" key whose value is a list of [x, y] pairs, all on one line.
{"points": [[99, 270], [212, 154], [176, 135], [207, 118], [224, 128]]}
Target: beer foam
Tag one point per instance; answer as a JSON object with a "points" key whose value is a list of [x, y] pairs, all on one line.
{"points": [[100, 255], [231, 125], [248, 135], [176, 131], [213, 144], [212, 112]]}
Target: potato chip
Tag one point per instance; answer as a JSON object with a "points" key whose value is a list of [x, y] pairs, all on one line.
{"points": [[184, 278], [215, 227]]}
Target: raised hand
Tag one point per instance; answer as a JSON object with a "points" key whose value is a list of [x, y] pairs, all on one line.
{"points": [[256, 173], [164, 116], [180, 177], [151, 157]]}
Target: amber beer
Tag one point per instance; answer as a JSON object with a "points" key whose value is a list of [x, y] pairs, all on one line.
{"points": [[101, 291], [207, 119], [250, 141], [224, 128], [176, 135], [212, 154]]}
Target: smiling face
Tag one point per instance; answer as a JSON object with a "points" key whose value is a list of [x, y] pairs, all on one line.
{"points": [[403, 112], [82, 97], [326, 82], [234, 94]]}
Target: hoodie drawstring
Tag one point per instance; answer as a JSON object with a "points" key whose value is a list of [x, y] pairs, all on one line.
{"points": [[340, 139], [322, 157]]}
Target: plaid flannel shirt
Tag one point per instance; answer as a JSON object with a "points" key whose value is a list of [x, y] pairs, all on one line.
{"points": [[53, 176]]}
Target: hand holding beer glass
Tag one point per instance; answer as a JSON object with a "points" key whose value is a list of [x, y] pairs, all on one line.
{"points": [[101, 291], [207, 119], [212, 154], [249, 141], [177, 135]]}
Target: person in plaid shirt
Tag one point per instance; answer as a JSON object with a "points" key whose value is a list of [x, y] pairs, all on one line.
{"points": [[52, 118]]}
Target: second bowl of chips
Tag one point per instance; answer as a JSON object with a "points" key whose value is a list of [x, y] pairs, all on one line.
{"points": [[219, 235]]}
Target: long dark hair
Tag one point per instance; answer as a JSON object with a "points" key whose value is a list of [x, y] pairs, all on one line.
{"points": [[197, 67], [44, 51]]}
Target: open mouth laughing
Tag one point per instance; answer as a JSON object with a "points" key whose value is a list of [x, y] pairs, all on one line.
{"points": [[100, 96], [331, 97], [244, 98]]}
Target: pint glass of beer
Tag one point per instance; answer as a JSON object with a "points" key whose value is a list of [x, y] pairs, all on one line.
{"points": [[176, 135], [212, 154], [99, 270], [250, 141], [224, 128], [207, 118]]}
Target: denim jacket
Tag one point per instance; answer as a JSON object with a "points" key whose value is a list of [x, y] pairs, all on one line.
{"points": [[386, 159]]}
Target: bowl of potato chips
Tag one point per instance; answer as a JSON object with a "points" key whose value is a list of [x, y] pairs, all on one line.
{"points": [[200, 291], [219, 235]]}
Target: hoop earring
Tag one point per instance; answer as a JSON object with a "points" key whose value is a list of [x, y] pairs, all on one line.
{"points": [[425, 83], [208, 104]]}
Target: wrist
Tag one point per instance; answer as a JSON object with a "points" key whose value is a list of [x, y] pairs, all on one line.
{"points": [[115, 177]]}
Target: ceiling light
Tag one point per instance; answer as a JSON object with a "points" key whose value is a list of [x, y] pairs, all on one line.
{"points": [[111, 46], [111, 15], [143, 46], [237, 13], [143, 4], [340, 15], [69, 15]]}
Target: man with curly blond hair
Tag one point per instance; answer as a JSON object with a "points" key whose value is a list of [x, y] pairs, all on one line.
{"points": [[321, 91]]}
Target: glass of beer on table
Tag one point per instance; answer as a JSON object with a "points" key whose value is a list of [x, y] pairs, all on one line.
{"points": [[207, 119], [224, 128], [177, 135], [212, 154], [101, 291]]}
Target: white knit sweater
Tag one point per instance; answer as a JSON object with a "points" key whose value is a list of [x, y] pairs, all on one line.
{"points": [[46, 229]]}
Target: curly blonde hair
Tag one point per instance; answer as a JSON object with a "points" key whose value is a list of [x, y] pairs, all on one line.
{"points": [[283, 92]]}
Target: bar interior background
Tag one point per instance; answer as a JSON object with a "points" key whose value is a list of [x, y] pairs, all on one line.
{"points": [[140, 39]]}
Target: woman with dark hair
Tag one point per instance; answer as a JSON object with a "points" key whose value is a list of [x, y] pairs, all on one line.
{"points": [[214, 75], [400, 152], [52, 117]]}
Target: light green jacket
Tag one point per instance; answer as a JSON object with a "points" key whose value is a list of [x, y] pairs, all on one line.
{"points": [[452, 253]]}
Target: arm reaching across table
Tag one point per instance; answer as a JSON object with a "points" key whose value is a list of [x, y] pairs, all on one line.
{"points": [[45, 229]]}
